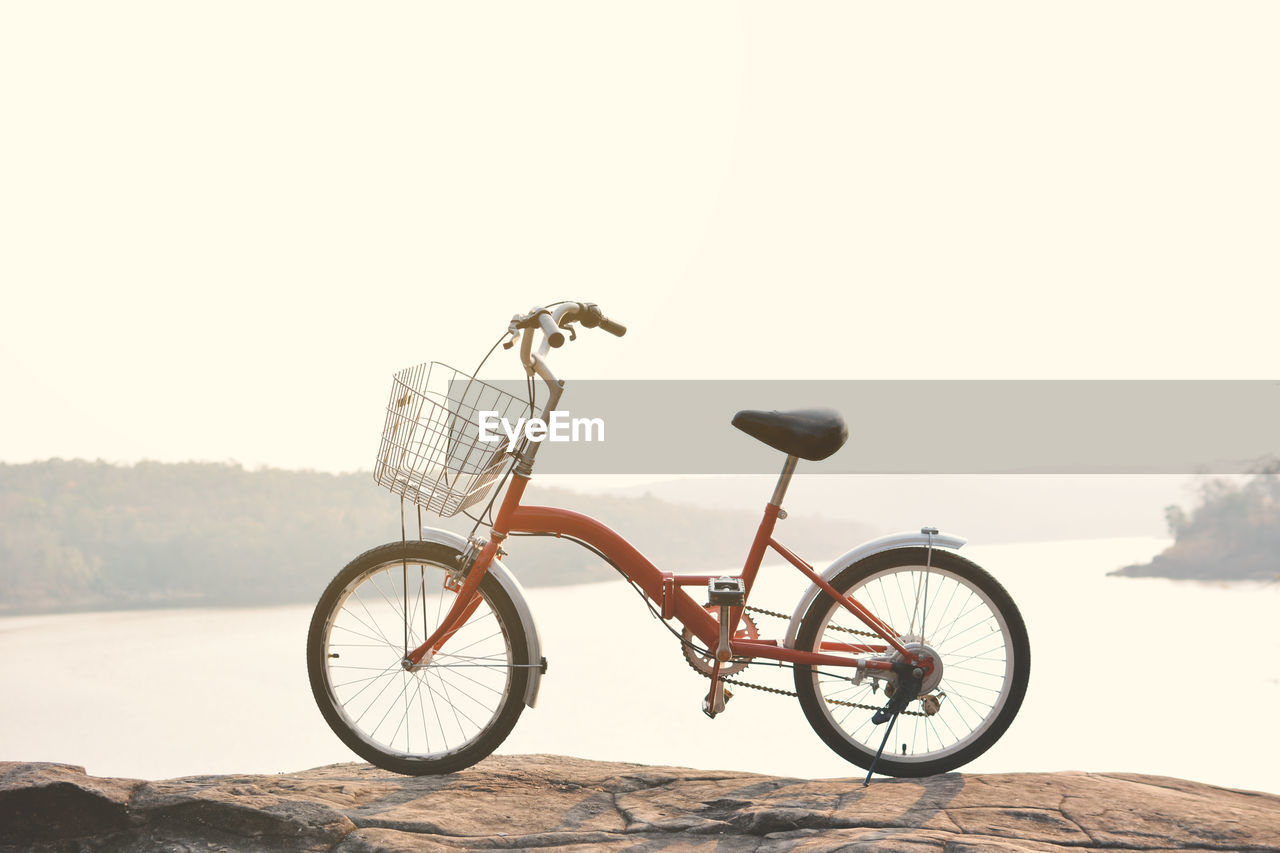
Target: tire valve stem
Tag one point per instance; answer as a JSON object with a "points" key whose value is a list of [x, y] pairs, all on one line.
{"points": [[333, 654]]}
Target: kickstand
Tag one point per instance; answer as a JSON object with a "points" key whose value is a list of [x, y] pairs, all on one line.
{"points": [[893, 718], [908, 687]]}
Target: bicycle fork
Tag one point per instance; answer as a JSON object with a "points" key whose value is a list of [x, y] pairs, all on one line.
{"points": [[464, 605], [469, 595]]}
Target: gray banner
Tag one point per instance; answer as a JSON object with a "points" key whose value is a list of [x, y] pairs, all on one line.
{"points": [[926, 427]]}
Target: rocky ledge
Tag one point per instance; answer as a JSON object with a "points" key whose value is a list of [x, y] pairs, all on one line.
{"points": [[550, 802]]}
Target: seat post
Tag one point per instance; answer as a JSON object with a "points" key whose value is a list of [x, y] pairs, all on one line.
{"points": [[784, 480]]}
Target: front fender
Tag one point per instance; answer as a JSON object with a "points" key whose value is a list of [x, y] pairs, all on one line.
{"points": [[909, 539], [513, 589]]}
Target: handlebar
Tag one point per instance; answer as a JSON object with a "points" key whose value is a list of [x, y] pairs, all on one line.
{"points": [[551, 321]]}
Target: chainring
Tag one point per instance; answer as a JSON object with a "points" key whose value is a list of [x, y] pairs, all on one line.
{"points": [[704, 661]]}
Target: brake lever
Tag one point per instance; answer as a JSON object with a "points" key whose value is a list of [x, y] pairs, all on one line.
{"points": [[514, 331]]}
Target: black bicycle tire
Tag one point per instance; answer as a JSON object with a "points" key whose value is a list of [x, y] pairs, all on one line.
{"points": [[849, 578]]}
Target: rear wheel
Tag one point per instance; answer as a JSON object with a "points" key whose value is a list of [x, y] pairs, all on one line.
{"points": [[441, 717], [953, 611]]}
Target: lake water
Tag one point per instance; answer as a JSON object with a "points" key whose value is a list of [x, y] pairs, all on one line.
{"points": [[1140, 675]]}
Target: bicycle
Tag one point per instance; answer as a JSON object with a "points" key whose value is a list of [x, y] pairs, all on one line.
{"points": [[422, 654]]}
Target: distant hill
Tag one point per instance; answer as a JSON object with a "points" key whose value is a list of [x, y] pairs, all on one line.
{"points": [[1234, 533], [78, 535]]}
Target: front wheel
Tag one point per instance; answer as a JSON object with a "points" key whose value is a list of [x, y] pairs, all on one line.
{"points": [[953, 611], [441, 717]]}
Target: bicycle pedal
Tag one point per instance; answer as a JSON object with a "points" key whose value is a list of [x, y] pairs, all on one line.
{"points": [[727, 592], [715, 701]]}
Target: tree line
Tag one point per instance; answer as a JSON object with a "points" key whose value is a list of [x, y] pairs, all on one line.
{"points": [[92, 535], [1233, 533]]}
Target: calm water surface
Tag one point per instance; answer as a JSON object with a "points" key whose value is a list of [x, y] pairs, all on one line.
{"points": [[1127, 675]]}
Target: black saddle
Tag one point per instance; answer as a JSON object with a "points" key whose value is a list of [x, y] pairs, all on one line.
{"points": [[811, 434]]}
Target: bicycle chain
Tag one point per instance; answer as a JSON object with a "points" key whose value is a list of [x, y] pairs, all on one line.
{"points": [[782, 692], [831, 627]]}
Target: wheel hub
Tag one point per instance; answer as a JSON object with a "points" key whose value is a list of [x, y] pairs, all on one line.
{"points": [[931, 678], [409, 666]]}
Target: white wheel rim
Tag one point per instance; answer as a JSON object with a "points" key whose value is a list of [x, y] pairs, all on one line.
{"points": [[433, 712]]}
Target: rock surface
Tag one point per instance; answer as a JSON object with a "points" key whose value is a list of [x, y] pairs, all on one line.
{"points": [[550, 802]]}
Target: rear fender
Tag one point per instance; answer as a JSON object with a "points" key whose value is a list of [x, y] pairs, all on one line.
{"points": [[913, 539]]}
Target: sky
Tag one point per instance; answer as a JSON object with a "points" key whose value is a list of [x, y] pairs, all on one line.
{"points": [[224, 226]]}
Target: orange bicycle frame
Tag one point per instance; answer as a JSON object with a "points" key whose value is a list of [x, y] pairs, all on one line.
{"points": [[666, 590]]}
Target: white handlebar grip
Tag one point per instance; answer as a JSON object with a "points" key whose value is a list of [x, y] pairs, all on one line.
{"points": [[555, 337]]}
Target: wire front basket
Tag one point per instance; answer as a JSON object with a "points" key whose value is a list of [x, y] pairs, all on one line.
{"points": [[431, 451]]}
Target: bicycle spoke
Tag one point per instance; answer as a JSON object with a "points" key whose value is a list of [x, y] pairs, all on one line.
{"points": [[360, 680], [391, 602], [453, 706], [422, 712], [391, 706], [967, 645], [378, 642], [374, 628], [436, 710], [951, 680], [373, 702], [474, 642], [405, 695]]}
